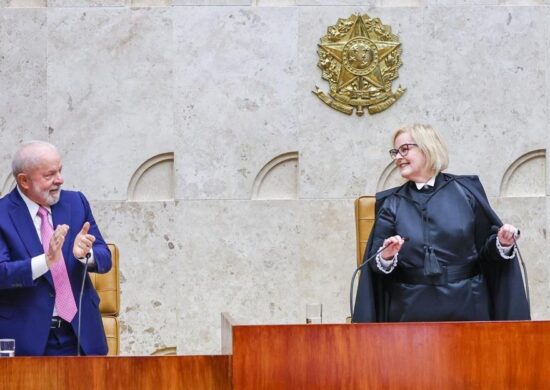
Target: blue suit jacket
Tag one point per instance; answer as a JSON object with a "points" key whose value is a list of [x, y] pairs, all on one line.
{"points": [[26, 305]]}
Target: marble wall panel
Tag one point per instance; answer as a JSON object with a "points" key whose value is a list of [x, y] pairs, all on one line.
{"points": [[22, 81], [544, 126], [400, 3], [531, 216], [327, 256], [235, 107], [150, 3], [460, 3], [150, 253], [261, 261], [87, 3], [275, 3], [484, 85], [109, 93], [524, 2], [336, 2], [22, 3], [213, 2], [343, 156], [240, 257]]}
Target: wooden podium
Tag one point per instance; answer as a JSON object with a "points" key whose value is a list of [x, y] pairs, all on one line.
{"points": [[467, 355]]}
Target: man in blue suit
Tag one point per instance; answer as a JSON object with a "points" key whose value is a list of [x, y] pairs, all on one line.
{"points": [[46, 237]]}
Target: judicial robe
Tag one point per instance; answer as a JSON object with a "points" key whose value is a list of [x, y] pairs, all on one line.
{"points": [[450, 232]]}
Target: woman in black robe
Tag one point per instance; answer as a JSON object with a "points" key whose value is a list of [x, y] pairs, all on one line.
{"points": [[459, 262]]}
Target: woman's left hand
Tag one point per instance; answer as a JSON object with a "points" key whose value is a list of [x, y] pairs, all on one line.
{"points": [[507, 235]]}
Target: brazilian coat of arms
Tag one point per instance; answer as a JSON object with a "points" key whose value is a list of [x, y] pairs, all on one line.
{"points": [[359, 58]]}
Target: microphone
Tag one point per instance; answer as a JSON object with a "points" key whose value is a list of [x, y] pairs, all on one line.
{"points": [[88, 255], [495, 229], [360, 268]]}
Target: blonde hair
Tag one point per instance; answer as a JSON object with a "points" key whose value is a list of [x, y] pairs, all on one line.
{"points": [[429, 141]]}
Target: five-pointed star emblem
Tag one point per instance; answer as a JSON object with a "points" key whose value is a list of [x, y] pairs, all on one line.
{"points": [[358, 41]]}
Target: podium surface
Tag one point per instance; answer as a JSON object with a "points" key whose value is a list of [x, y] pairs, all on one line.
{"points": [[465, 355]]}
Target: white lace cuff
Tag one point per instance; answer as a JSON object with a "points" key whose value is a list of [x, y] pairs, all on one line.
{"points": [[386, 266], [505, 250]]}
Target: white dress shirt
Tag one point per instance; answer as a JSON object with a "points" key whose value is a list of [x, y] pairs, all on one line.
{"points": [[39, 265]]}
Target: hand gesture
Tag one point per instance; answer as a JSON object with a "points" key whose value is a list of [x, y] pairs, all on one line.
{"points": [[394, 244], [507, 235], [53, 255], [83, 242]]}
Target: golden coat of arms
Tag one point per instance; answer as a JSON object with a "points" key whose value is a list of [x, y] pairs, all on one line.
{"points": [[359, 57]]}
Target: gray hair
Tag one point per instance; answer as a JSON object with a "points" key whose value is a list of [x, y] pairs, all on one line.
{"points": [[28, 156]]}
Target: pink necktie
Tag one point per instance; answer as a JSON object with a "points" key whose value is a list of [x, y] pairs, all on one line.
{"points": [[64, 299]]}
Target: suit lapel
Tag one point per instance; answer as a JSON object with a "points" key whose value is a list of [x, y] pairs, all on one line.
{"points": [[24, 225], [61, 213]]}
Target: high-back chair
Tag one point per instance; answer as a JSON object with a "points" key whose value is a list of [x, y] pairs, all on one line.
{"points": [[364, 221], [108, 288]]}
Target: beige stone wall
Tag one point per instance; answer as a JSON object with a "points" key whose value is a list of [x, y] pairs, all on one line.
{"points": [[228, 186]]}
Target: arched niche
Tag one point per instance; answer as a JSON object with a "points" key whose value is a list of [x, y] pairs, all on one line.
{"points": [[389, 178], [153, 180], [9, 184], [278, 179], [526, 176]]}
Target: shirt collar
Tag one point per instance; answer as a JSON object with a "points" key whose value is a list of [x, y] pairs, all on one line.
{"points": [[31, 205], [430, 182]]}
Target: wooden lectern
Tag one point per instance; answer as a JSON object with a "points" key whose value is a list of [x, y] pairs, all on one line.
{"points": [[449, 355]]}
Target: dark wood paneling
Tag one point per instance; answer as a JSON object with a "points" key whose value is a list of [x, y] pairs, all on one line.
{"points": [[90, 373], [496, 355]]}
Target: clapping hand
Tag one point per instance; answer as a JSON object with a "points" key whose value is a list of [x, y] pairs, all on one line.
{"points": [[83, 242], [53, 255]]}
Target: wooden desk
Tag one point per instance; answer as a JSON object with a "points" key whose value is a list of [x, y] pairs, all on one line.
{"points": [[483, 355], [467, 355], [113, 372]]}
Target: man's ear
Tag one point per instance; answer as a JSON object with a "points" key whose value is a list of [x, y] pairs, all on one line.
{"points": [[23, 181]]}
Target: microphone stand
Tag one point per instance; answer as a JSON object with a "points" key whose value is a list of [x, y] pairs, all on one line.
{"points": [[524, 269], [360, 268], [495, 229], [88, 255]]}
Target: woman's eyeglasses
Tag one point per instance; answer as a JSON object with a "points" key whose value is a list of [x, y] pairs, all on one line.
{"points": [[403, 150]]}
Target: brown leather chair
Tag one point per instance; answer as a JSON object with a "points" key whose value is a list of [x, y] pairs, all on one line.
{"points": [[108, 288], [364, 220]]}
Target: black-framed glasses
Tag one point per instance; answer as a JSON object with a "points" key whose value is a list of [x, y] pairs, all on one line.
{"points": [[403, 150]]}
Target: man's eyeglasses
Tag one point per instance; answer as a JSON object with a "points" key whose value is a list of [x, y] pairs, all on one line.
{"points": [[403, 150]]}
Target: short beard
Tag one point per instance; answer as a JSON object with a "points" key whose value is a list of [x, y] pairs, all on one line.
{"points": [[48, 198]]}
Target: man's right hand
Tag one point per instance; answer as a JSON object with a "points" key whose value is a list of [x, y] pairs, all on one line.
{"points": [[56, 243]]}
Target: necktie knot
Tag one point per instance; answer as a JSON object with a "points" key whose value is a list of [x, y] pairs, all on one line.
{"points": [[42, 212]]}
